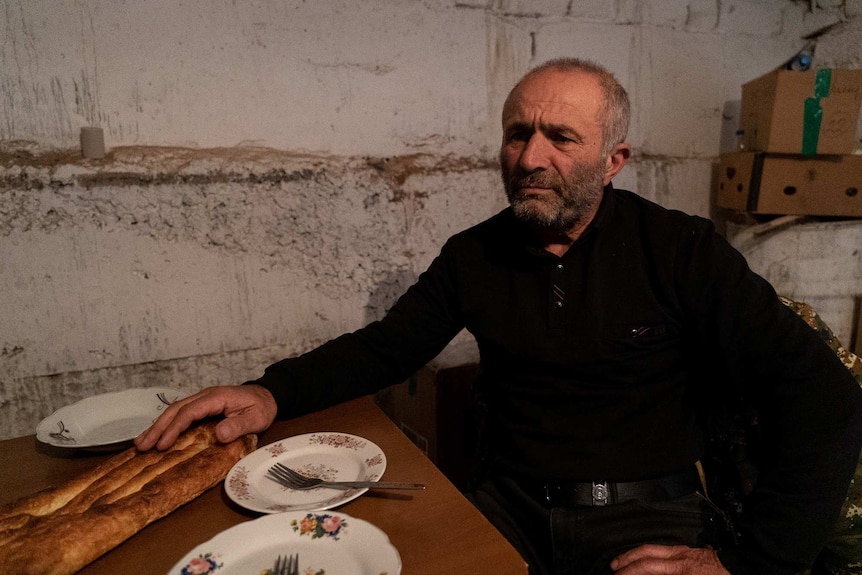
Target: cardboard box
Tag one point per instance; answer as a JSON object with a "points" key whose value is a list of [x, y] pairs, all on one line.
{"points": [[790, 184], [793, 112], [436, 410]]}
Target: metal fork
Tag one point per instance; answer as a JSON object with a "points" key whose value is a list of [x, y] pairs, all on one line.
{"points": [[290, 478], [286, 565]]}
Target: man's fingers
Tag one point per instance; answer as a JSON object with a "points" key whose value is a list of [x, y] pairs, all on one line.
{"points": [[643, 552], [252, 411], [232, 428], [247, 409], [668, 560], [177, 418], [148, 438]]}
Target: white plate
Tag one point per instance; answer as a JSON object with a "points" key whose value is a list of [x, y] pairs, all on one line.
{"points": [[327, 455], [106, 419], [332, 543]]}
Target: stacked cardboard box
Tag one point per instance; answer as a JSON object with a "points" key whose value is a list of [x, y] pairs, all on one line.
{"points": [[798, 133]]}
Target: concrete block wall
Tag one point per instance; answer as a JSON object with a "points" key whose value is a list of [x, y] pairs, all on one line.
{"points": [[278, 172], [817, 262]]}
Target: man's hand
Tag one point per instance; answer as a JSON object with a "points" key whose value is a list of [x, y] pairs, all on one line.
{"points": [[668, 560], [247, 409]]}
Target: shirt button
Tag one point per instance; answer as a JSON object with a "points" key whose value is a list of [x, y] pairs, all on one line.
{"points": [[560, 267], [558, 305]]}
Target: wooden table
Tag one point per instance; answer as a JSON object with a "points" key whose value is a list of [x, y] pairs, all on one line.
{"points": [[436, 531]]}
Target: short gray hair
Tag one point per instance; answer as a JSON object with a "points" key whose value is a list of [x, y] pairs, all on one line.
{"points": [[617, 112]]}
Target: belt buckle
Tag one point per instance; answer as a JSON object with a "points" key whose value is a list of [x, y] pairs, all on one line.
{"points": [[601, 493]]}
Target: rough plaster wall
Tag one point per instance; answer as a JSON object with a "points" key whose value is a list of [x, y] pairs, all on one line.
{"points": [[280, 171], [138, 269], [818, 262]]}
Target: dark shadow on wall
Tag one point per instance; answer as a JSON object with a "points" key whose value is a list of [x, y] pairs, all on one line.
{"points": [[387, 292]]}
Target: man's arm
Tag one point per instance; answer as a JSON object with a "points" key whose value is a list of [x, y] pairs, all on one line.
{"points": [[809, 406]]}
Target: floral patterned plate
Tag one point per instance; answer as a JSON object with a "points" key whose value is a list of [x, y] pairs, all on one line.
{"points": [[327, 455], [327, 544], [106, 420]]}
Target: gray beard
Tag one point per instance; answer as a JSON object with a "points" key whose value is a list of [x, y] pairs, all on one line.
{"points": [[568, 204]]}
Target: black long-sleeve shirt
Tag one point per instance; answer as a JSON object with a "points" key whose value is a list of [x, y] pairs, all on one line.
{"points": [[597, 365]]}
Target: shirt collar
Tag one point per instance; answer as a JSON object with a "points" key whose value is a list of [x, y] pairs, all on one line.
{"points": [[606, 209]]}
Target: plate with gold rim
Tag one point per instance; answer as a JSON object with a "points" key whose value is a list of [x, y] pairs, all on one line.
{"points": [[331, 456]]}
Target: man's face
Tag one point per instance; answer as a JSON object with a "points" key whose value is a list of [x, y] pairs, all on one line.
{"points": [[552, 163]]}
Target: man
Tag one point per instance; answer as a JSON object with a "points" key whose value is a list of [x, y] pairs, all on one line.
{"points": [[607, 328]]}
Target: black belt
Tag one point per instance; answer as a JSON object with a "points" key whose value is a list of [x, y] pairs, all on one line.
{"points": [[563, 493]]}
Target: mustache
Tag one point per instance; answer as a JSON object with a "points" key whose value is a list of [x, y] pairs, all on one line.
{"points": [[535, 180]]}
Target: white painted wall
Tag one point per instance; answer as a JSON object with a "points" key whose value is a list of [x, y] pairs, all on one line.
{"points": [[374, 77], [280, 171]]}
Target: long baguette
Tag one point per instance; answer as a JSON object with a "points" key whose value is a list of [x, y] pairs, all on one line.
{"points": [[53, 498], [133, 474], [79, 493], [72, 535]]}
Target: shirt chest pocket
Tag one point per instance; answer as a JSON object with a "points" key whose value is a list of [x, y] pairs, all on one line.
{"points": [[642, 349]]}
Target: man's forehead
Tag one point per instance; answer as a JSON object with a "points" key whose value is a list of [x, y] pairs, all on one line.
{"points": [[550, 111], [521, 105], [555, 92]]}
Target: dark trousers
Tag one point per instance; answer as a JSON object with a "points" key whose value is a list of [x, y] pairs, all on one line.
{"points": [[582, 540]]}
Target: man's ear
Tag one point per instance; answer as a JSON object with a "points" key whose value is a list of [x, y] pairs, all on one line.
{"points": [[616, 160]]}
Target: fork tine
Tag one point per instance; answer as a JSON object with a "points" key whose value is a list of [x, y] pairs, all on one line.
{"points": [[276, 569], [295, 561], [294, 478], [279, 473], [290, 472], [286, 477], [289, 481]]}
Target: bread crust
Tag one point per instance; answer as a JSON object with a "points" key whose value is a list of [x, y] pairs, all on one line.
{"points": [[110, 503]]}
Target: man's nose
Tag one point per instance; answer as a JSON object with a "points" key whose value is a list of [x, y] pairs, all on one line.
{"points": [[534, 155]]}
